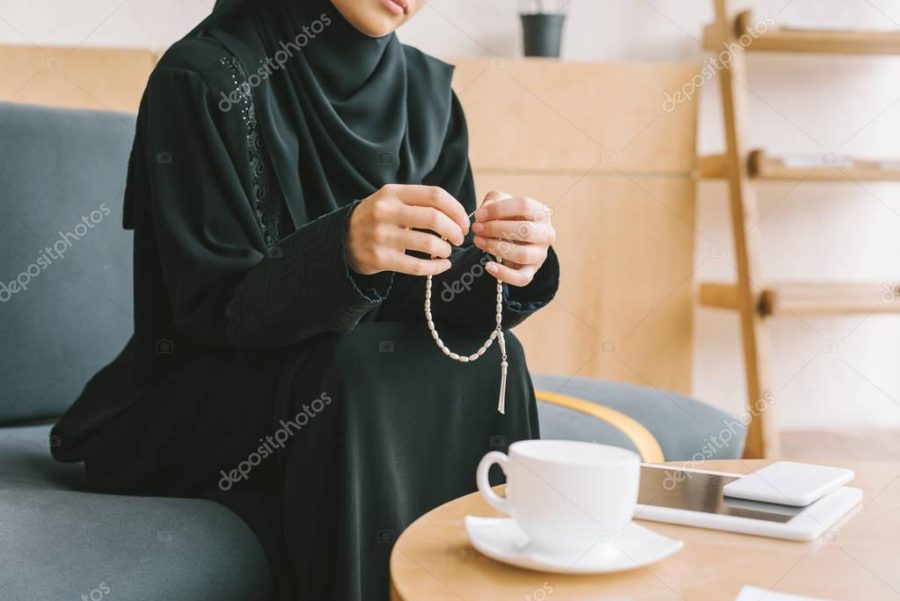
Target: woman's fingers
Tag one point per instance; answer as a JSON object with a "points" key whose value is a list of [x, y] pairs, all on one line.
{"points": [[423, 242], [494, 196], [436, 198], [383, 226], [429, 218], [524, 254], [403, 263], [513, 208], [518, 277], [515, 231]]}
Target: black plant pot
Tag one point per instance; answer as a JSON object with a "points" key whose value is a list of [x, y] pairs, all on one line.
{"points": [[542, 34]]}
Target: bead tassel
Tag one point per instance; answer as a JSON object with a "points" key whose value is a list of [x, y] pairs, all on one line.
{"points": [[501, 403]]}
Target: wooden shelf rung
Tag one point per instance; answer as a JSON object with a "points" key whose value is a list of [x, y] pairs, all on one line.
{"points": [[788, 39], [763, 166], [809, 298], [718, 295], [712, 166], [829, 41], [830, 298]]}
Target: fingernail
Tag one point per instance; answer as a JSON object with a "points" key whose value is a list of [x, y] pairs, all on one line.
{"points": [[480, 214], [477, 227], [492, 267]]}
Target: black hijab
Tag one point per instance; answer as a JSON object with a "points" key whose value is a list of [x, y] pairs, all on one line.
{"points": [[340, 113]]}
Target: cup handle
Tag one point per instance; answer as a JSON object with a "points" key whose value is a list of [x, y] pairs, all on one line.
{"points": [[484, 486]]}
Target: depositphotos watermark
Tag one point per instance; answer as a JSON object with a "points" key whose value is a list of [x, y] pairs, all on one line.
{"points": [[541, 593], [718, 441], [99, 592], [277, 440], [464, 282], [274, 63], [54, 252], [716, 63]]}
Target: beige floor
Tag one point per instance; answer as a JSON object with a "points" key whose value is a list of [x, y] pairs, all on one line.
{"points": [[868, 445]]}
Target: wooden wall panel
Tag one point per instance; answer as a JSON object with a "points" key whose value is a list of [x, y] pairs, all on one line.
{"points": [[89, 78], [535, 114]]}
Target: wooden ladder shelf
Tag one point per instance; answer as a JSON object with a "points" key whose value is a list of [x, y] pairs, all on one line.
{"points": [[741, 167]]}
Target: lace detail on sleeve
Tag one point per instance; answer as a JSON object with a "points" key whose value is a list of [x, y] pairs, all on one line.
{"points": [[264, 202]]}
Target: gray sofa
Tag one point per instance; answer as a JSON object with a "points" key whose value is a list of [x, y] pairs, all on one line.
{"points": [[65, 310]]}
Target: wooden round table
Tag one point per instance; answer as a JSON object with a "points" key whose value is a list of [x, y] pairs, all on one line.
{"points": [[857, 560]]}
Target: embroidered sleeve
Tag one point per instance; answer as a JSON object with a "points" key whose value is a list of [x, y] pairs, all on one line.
{"points": [[266, 205]]}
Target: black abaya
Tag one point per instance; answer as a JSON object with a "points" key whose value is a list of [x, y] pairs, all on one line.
{"points": [[249, 322]]}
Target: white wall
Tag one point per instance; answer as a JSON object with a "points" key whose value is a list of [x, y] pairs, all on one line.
{"points": [[828, 372]]}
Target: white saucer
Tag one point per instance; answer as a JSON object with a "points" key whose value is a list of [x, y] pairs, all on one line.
{"points": [[503, 540]]}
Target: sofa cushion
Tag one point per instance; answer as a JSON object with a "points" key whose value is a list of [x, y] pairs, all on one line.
{"points": [[65, 269], [25, 462], [683, 429], [60, 543]]}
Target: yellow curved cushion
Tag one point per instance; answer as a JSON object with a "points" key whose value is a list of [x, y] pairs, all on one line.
{"points": [[642, 439]]}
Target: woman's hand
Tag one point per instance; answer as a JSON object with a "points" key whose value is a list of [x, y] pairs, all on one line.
{"points": [[383, 227], [516, 229]]}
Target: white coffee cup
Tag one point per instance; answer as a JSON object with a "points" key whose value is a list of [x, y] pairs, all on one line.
{"points": [[565, 494]]}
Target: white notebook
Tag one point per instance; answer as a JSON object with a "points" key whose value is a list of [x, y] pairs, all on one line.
{"points": [[752, 593]]}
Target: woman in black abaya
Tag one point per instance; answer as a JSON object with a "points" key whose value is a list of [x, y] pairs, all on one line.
{"points": [[295, 172]]}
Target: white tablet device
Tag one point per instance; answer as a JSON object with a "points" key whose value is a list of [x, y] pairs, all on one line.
{"points": [[695, 498]]}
